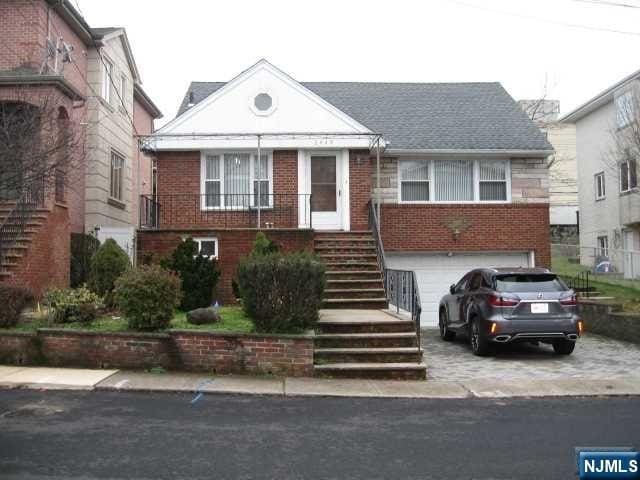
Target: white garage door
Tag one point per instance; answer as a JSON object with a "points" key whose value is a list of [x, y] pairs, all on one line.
{"points": [[436, 272]]}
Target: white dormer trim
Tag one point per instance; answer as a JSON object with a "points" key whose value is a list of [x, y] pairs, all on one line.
{"points": [[263, 64]]}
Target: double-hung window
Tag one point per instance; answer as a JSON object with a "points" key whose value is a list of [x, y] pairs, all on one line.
{"points": [[628, 174], [107, 70], [116, 175], [600, 186], [236, 180], [454, 180], [624, 109], [603, 246]]}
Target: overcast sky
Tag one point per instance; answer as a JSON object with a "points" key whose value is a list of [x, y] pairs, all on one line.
{"points": [[521, 43]]}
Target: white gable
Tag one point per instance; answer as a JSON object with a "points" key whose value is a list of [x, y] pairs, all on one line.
{"points": [[231, 109]]}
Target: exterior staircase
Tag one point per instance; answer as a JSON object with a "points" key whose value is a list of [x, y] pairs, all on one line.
{"points": [[17, 227], [354, 279], [355, 338]]}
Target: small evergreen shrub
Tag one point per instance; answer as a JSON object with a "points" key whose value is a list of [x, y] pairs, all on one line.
{"points": [[263, 246], [199, 275], [13, 300], [109, 262], [147, 297], [83, 248], [282, 293], [72, 305]]}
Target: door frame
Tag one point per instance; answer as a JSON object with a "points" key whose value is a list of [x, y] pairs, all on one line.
{"points": [[342, 184]]}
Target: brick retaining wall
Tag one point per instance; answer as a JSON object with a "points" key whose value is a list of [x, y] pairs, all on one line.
{"points": [[290, 355], [610, 320]]}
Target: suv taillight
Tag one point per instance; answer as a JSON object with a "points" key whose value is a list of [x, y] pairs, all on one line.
{"points": [[570, 301], [500, 301]]}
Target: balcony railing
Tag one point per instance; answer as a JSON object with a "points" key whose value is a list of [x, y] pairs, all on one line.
{"points": [[238, 210]]}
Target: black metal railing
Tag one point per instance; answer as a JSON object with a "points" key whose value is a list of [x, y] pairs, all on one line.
{"points": [[580, 282], [400, 286], [14, 225], [237, 210]]}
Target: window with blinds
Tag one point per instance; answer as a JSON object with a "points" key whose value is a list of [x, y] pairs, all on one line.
{"points": [[236, 180], [454, 180]]}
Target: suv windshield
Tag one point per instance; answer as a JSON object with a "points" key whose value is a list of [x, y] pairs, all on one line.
{"points": [[529, 283]]}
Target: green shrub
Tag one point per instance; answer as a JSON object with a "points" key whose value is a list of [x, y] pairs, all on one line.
{"points": [[263, 246], [199, 275], [109, 262], [282, 293], [72, 305], [13, 300], [83, 248], [147, 297]]}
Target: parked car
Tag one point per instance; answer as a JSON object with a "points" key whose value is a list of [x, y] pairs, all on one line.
{"points": [[504, 305]]}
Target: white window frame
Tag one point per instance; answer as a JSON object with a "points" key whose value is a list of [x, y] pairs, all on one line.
{"points": [[624, 109], [599, 180], [602, 242], [628, 162], [121, 178], [252, 178], [123, 90], [107, 73], [476, 182], [199, 241]]}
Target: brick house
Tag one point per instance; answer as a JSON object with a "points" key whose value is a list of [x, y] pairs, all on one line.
{"points": [[457, 171], [89, 78]]}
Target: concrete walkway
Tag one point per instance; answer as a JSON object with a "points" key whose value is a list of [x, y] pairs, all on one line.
{"points": [[58, 378]]}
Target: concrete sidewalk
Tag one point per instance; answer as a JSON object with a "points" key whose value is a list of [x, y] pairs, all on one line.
{"points": [[67, 378]]}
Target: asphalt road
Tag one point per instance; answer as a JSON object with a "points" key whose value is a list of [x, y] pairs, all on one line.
{"points": [[144, 435]]}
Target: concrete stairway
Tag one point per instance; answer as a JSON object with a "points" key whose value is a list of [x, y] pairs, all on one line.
{"points": [[358, 343], [12, 252], [354, 279]]}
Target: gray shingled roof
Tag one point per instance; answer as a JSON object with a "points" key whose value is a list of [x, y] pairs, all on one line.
{"points": [[425, 116]]}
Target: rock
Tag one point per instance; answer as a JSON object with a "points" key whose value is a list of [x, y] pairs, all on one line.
{"points": [[200, 316]]}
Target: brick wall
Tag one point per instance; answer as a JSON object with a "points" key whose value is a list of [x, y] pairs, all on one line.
{"points": [[232, 245], [222, 353], [360, 172], [512, 227]]}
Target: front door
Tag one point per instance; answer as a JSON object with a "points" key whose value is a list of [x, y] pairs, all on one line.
{"points": [[325, 192]]}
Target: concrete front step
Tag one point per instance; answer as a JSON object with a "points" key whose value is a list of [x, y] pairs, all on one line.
{"points": [[354, 293], [364, 326], [326, 356], [356, 283], [347, 248], [352, 265], [406, 371], [356, 303], [352, 340], [353, 275]]}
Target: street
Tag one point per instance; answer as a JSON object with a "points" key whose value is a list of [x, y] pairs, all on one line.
{"points": [[47, 434]]}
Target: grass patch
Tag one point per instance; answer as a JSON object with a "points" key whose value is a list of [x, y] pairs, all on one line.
{"points": [[233, 319], [624, 291]]}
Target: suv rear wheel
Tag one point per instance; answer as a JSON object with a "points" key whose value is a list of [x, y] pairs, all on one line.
{"points": [[564, 347], [479, 341], [445, 333]]}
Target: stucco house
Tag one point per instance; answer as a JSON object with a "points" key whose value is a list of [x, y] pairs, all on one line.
{"points": [[457, 171], [608, 177], [89, 78]]}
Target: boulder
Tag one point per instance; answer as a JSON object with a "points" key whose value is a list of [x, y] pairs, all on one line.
{"points": [[200, 316]]}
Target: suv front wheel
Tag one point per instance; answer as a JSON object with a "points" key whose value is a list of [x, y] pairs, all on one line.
{"points": [[479, 342]]}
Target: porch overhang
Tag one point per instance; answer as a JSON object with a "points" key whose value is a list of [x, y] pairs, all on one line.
{"points": [[268, 141]]}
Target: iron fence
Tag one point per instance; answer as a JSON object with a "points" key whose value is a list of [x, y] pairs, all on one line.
{"points": [[238, 210]]}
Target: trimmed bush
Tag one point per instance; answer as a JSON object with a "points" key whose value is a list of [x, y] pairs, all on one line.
{"points": [[147, 297], [263, 246], [109, 262], [72, 305], [13, 300], [83, 248], [282, 293], [199, 275]]}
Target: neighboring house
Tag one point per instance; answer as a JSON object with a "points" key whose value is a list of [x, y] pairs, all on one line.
{"points": [[89, 75], [608, 178], [563, 174], [463, 180]]}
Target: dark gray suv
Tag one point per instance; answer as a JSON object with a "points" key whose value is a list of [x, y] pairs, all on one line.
{"points": [[503, 305]]}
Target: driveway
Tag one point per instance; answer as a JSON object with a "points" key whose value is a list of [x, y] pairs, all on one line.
{"points": [[595, 357]]}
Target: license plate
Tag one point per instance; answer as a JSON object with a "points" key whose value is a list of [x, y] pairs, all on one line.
{"points": [[539, 308]]}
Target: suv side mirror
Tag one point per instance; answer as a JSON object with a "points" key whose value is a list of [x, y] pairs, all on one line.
{"points": [[452, 289]]}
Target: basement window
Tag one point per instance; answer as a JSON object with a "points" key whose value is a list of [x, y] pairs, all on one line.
{"points": [[207, 247]]}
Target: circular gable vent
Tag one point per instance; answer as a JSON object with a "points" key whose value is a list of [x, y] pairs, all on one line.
{"points": [[263, 103]]}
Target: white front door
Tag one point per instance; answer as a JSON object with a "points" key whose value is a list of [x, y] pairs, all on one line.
{"points": [[325, 176]]}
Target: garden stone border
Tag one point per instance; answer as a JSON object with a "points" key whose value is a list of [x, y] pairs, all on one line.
{"points": [[609, 320]]}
